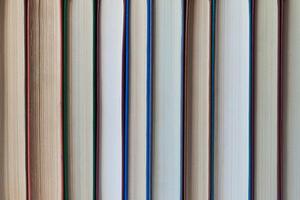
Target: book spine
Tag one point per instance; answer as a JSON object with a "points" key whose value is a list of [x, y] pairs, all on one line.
{"points": [[126, 100], [95, 97], [65, 98], [62, 90], [149, 102], [97, 101], [185, 117], [124, 106], [279, 98], [251, 100], [212, 100], [184, 22], [27, 101]]}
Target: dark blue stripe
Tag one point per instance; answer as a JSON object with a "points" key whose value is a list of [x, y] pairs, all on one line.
{"points": [[149, 102], [126, 100], [250, 175], [212, 103], [182, 97]]}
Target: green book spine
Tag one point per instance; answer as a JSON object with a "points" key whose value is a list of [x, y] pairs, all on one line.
{"points": [[65, 98]]}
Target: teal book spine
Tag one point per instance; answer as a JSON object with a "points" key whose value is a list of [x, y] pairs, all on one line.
{"points": [[65, 99]]}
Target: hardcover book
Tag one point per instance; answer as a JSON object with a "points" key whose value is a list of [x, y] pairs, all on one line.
{"points": [[80, 99], [44, 100], [291, 95], [232, 122], [12, 101], [110, 90], [167, 133], [197, 99], [137, 116], [267, 99]]}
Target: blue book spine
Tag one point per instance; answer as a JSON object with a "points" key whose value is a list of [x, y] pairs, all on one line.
{"points": [[126, 100], [251, 102], [149, 103], [183, 82]]}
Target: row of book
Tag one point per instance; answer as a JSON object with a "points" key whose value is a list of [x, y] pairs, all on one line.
{"points": [[149, 99]]}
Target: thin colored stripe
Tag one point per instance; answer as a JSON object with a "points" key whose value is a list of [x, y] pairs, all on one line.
{"points": [[65, 99], [149, 102], [183, 95], [97, 101], [126, 101], [28, 101], [251, 150], [279, 93], [212, 105]]}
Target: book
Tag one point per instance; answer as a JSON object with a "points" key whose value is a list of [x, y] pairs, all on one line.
{"points": [[266, 109], [197, 99], [137, 116], [291, 97], [12, 101], [110, 99], [44, 103], [167, 132], [232, 122], [149, 100], [80, 119]]}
